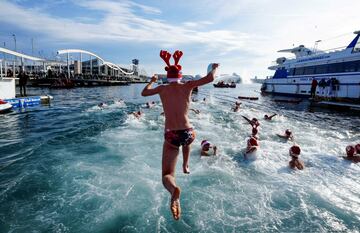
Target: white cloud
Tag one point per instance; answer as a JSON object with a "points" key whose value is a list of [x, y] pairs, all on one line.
{"points": [[243, 35], [119, 23]]}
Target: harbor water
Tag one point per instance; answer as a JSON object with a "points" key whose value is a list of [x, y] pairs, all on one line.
{"points": [[73, 167]]}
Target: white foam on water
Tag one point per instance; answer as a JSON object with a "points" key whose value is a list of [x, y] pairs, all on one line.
{"points": [[119, 188], [225, 192]]}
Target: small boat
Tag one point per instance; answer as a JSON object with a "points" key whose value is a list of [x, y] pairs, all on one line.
{"points": [[5, 107], [292, 101], [247, 98], [224, 85]]}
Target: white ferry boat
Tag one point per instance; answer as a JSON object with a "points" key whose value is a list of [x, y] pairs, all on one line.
{"points": [[337, 72]]}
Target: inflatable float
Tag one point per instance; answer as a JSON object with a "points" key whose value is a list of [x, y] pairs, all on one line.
{"points": [[247, 98], [5, 107]]}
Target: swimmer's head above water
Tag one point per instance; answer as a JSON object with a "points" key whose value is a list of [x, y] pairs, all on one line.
{"points": [[174, 73], [295, 151], [350, 150], [288, 132], [205, 145], [357, 148]]}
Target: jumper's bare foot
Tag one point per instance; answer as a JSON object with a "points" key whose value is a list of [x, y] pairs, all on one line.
{"points": [[175, 204], [186, 169]]}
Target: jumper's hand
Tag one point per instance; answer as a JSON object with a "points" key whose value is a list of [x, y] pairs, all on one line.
{"points": [[154, 78], [215, 66]]}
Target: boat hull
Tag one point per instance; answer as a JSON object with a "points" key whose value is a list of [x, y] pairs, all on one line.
{"points": [[349, 86], [5, 108]]}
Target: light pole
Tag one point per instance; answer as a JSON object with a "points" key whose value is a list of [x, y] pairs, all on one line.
{"points": [[316, 45], [14, 71], [32, 54], [5, 68]]}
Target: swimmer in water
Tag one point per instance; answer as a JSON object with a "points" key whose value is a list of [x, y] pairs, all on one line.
{"points": [[236, 108], [252, 146], [175, 98], [150, 104], [268, 118], [196, 111], [204, 100], [205, 148], [295, 162], [102, 105], [288, 135], [254, 133], [253, 122], [137, 114], [353, 153]]}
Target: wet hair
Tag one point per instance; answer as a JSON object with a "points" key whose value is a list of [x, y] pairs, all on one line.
{"points": [[288, 132], [295, 151]]}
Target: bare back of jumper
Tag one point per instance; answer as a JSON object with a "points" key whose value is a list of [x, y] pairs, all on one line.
{"points": [[175, 98]]}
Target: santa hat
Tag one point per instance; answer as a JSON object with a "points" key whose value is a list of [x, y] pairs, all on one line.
{"points": [[252, 142], [350, 150], [295, 151], [204, 143], [173, 71]]}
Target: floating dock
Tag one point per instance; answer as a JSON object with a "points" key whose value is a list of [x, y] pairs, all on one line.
{"points": [[29, 101]]}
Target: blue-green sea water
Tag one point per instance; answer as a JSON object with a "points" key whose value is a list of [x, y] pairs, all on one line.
{"points": [[72, 167]]}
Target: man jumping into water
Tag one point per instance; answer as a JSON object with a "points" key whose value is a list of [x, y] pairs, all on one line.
{"points": [[175, 98]]}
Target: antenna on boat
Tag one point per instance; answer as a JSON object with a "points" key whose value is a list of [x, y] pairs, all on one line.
{"points": [[316, 45]]}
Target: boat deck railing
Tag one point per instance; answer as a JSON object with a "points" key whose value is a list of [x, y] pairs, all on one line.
{"points": [[316, 53]]}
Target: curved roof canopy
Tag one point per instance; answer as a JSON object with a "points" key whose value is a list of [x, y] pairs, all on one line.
{"points": [[116, 67], [65, 51], [8, 51], [109, 64]]}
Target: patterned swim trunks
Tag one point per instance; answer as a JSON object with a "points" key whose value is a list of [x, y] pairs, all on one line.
{"points": [[183, 137]]}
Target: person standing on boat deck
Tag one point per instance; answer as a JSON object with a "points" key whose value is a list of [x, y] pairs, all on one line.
{"points": [[314, 84], [322, 85], [175, 98], [23, 78], [328, 90]]}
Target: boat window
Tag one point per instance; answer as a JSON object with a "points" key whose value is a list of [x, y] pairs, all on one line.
{"points": [[292, 71], [357, 47], [299, 71], [309, 70], [352, 66], [321, 69], [349, 66], [332, 68], [358, 65]]}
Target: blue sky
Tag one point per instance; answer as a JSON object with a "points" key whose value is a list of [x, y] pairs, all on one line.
{"points": [[242, 35]]}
